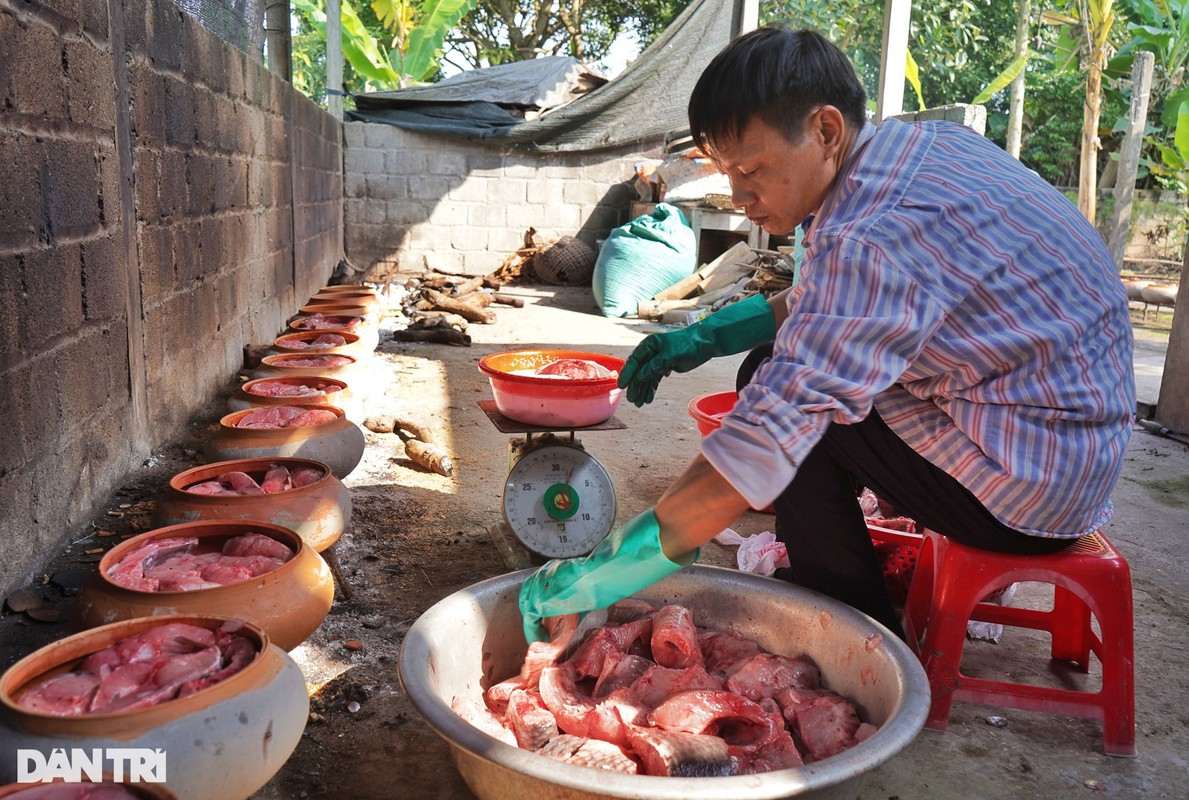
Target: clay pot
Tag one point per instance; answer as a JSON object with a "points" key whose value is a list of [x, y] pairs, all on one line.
{"points": [[364, 297], [366, 329], [288, 603], [347, 287], [223, 742], [346, 308], [344, 398], [353, 373], [338, 444], [318, 512], [299, 344]]}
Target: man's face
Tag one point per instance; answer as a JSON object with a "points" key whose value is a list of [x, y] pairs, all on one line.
{"points": [[776, 182]]}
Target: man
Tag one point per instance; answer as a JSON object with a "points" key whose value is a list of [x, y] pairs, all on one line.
{"points": [[959, 342]]}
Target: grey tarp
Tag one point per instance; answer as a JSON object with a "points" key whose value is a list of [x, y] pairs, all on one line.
{"points": [[646, 101]]}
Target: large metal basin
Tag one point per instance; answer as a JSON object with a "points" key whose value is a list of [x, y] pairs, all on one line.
{"points": [[473, 638]]}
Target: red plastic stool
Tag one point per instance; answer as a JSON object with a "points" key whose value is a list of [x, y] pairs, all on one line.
{"points": [[1089, 576]]}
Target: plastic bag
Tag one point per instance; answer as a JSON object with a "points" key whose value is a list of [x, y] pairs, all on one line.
{"points": [[642, 258], [759, 553]]}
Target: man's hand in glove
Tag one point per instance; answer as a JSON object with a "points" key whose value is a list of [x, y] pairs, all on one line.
{"points": [[733, 329], [628, 560]]}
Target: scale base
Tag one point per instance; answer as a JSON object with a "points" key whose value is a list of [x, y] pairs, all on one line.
{"points": [[514, 554]]}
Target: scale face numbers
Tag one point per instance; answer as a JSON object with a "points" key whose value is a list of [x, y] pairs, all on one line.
{"points": [[559, 501]]}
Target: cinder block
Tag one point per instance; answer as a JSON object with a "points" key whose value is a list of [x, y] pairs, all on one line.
{"points": [[166, 24], [522, 216], [41, 422], [385, 188], [53, 283], [146, 90], [487, 215], [178, 112], [105, 277], [545, 192], [187, 251], [482, 262], [504, 241], [93, 18], [374, 135], [355, 134], [202, 184], [407, 162], [84, 379], [34, 62], [21, 159], [428, 188], [509, 191], [90, 85], [71, 187], [583, 193], [207, 110], [466, 238], [450, 161], [441, 260], [485, 163]]}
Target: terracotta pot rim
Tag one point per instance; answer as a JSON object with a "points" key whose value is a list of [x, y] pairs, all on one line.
{"points": [[290, 379], [350, 336], [294, 542], [246, 464], [272, 361], [226, 422], [107, 635]]}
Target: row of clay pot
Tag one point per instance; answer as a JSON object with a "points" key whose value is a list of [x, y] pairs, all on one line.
{"points": [[225, 741]]}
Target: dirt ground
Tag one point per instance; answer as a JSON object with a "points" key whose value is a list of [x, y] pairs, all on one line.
{"points": [[416, 536]]}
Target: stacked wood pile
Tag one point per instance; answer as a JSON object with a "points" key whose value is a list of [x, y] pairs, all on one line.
{"points": [[440, 306], [739, 272]]}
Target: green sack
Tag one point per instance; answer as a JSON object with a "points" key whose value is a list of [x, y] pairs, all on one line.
{"points": [[642, 258]]}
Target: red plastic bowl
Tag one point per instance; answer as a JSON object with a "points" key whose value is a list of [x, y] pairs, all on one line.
{"points": [[551, 402], [708, 411]]}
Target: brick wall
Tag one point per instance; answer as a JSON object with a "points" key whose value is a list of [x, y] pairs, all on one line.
{"points": [[416, 202], [164, 200]]}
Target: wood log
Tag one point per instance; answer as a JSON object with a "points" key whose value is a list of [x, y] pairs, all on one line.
{"points": [[429, 456], [443, 303], [451, 318], [477, 299], [443, 335], [468, 286], [507, 300]]}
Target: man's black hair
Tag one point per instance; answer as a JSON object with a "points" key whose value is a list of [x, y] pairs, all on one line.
{"points": [[778, 75]]}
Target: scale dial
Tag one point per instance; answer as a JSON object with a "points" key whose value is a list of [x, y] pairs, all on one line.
{"points": [[559, 501]]}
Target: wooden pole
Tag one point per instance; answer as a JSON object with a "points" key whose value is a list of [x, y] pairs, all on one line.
{"points": [[1172, 407], [1133, 138], [1015, 108], [894, 59], [334, 58]]}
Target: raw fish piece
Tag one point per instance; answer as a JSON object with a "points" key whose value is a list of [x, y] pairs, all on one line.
{"points": [[743, 724], [577, 369], [328, 360], [766, 675], [483, 719], [601, 642], [725, 652], [257, 544], [781, 753], [660, 683], [240, 483], [603, 755], [68, 693], [209, 488], [272, 417], [629, 610], [304, 476], [319, 322], [620, 670], [312, 416], [681, 755], [276, 479], [674, 638], [532, 723], [826, 722]]}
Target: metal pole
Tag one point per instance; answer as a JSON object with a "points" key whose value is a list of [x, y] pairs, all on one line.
{"points": [[890, 100], [276, 37], [1133, 138], [334, 58]]}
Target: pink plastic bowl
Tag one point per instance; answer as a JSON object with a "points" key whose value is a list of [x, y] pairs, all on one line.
{"points": [[550, 402], [708, 411]]}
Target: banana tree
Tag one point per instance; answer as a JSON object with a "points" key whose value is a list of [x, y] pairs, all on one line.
{"points": [[411, 56], [1085, 30]]}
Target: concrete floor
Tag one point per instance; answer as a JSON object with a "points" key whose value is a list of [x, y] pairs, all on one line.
{"points": [[1029, 754]]}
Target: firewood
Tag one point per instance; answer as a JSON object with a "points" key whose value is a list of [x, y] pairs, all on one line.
{"points": [[444, 335], [451, 318], [443, 303], [507, 300], [468, 286], [477, 299]]}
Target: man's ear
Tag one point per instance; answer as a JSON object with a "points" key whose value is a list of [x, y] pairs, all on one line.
{"points": [[830, 128]]}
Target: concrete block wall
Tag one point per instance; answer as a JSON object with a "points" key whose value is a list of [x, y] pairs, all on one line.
{"points": [[164, 201], [415, 201]]}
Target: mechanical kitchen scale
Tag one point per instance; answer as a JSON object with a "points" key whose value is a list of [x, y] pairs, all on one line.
{"points": [[558, 500]]}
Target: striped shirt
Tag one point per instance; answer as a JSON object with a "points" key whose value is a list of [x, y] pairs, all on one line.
{"points": [[975, 308]]}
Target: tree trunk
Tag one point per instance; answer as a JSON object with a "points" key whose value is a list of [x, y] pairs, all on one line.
{"points": [[1141, 87], [1015, 111], [1088, 164]]}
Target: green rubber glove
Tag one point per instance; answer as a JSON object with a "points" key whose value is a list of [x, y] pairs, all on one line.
{"points": [[733, 329], [628, 560]]}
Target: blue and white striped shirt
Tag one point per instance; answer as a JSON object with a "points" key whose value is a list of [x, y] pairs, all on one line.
{"points": [[970, 303]]}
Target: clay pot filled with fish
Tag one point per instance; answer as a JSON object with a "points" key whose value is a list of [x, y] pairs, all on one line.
{"points": [[292, 390], [86, 790], [224, 705], [342, 343], [310, 500], [343, 368], [319, 432], [471, 644], [371, 315], [263, 573], [367, 330]]}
